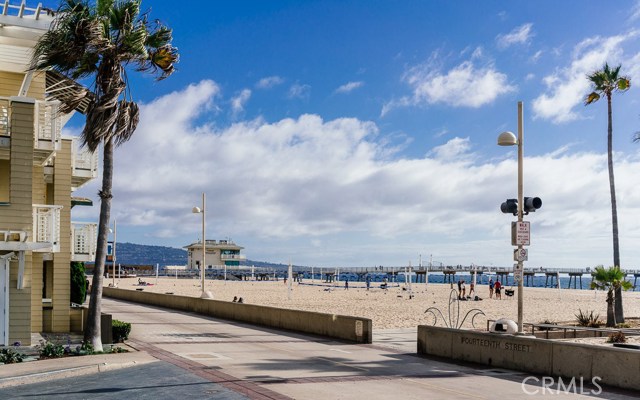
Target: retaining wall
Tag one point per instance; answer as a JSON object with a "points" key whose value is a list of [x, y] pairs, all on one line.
{"points": [[614, 366], [335, 326]]}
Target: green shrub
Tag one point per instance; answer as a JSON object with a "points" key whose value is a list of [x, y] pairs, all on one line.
{"points": [[10, 356], [617, 337], [78, 283], [589, 320], [48, 349], [120, 330]]}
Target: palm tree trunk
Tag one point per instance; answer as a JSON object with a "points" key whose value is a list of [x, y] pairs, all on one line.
{"points": [[92, 333], [614, 210]]}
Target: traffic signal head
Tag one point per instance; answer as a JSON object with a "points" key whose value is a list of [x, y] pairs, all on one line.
{"points": [[510, 207], [531, 204]]}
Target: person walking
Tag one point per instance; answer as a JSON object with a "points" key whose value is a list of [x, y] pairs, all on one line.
{"points": [[498, 287], [491, 288]]}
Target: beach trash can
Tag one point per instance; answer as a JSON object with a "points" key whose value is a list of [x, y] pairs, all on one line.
{"points": [[504, 325]]}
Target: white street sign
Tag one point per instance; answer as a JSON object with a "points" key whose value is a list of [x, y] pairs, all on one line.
{"points": [[520, 233], [520, 255]]}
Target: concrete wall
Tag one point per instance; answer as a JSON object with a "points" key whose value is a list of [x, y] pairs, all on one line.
{"points": [[342, 327], [615, 366]]}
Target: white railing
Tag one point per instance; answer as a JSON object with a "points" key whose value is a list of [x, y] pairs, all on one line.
{"points": [[19, 10], [85, 163], [232, 257], [4, 117], [48, 125], [46, 225], [84, 237]]}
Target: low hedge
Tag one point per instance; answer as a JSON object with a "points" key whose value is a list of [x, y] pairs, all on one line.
{"points": [[120, 331]]}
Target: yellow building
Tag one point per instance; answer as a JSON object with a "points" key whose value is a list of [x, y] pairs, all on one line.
{"points": [[39, 170], [220, 253]]}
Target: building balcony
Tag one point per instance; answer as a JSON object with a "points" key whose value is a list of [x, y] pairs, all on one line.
{"points": [[85, 237], [5, 142], [84, 166], [47, 130], [237, 257], [46, 226]]}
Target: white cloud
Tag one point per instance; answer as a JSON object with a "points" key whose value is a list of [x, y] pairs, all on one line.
{"points": [[269, 82], [520, 35], [454, 149], [635, 12], [299, 91], [348, 87], [536, 56], [567, 87], [466, 85], [238, 102], [328, 192]]}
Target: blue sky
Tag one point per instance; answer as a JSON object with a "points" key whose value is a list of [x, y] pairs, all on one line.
{"points": [[359, 133]]}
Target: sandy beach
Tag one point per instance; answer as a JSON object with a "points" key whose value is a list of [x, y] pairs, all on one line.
{"points": [[392, 308]]}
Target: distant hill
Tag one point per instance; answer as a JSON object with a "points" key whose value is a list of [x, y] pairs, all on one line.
{"points": [[140, 254]]}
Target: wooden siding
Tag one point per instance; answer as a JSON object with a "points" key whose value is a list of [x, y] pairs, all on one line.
{"points": [[61, 295], [18, 215], [5, 174], [11, 82]]}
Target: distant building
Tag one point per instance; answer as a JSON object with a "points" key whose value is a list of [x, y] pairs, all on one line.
{"points": [[219, 253]]}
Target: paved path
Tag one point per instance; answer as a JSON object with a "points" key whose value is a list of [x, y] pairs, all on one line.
{"points": [[198, 357]]}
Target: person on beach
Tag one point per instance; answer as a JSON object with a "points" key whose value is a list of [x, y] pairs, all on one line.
{"points": [[368, 282], [498, 287], [464, 290], [491, 288], [460, 289], [472, 289], [346, 284]]}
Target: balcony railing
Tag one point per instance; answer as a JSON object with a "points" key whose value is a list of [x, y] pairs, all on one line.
{"points": [[232, 257], [47, 128], [84, 237], [46, 225], [48, 125], [84, 165], [4, 117]]}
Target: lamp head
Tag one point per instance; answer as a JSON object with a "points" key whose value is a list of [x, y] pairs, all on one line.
{"points": [[196, 210], [507, 139]]}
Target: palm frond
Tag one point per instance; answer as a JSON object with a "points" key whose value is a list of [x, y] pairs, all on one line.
{"points": [[591, 98]]}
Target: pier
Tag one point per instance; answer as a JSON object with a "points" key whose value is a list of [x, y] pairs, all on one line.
{"points": [[450, 274]]}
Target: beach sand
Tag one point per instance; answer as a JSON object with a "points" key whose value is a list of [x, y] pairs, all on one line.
{"points": [[392, 308]]}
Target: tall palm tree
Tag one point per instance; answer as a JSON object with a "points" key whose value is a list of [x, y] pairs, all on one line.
{"points": [[611, 280], [99, 42], [605, 82]]}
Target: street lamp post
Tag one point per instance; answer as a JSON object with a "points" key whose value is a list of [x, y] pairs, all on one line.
{"points": [[509, 139], [198, 210]]}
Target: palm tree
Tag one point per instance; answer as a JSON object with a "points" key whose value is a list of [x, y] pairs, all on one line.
{"points": [[605, 82], [611, 280], [100, 42]]}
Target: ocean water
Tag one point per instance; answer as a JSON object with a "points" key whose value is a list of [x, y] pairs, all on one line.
{"points": [[535, 281]]}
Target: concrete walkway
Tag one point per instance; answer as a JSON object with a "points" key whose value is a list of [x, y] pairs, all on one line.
{"points": [[223, 359]]}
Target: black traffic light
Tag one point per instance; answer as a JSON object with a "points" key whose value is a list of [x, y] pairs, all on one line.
{"points": [[510, 207], [531, 204]]}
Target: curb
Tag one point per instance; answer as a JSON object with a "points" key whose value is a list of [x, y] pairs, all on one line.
{"points": [[64, 373], [97, 366]]}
